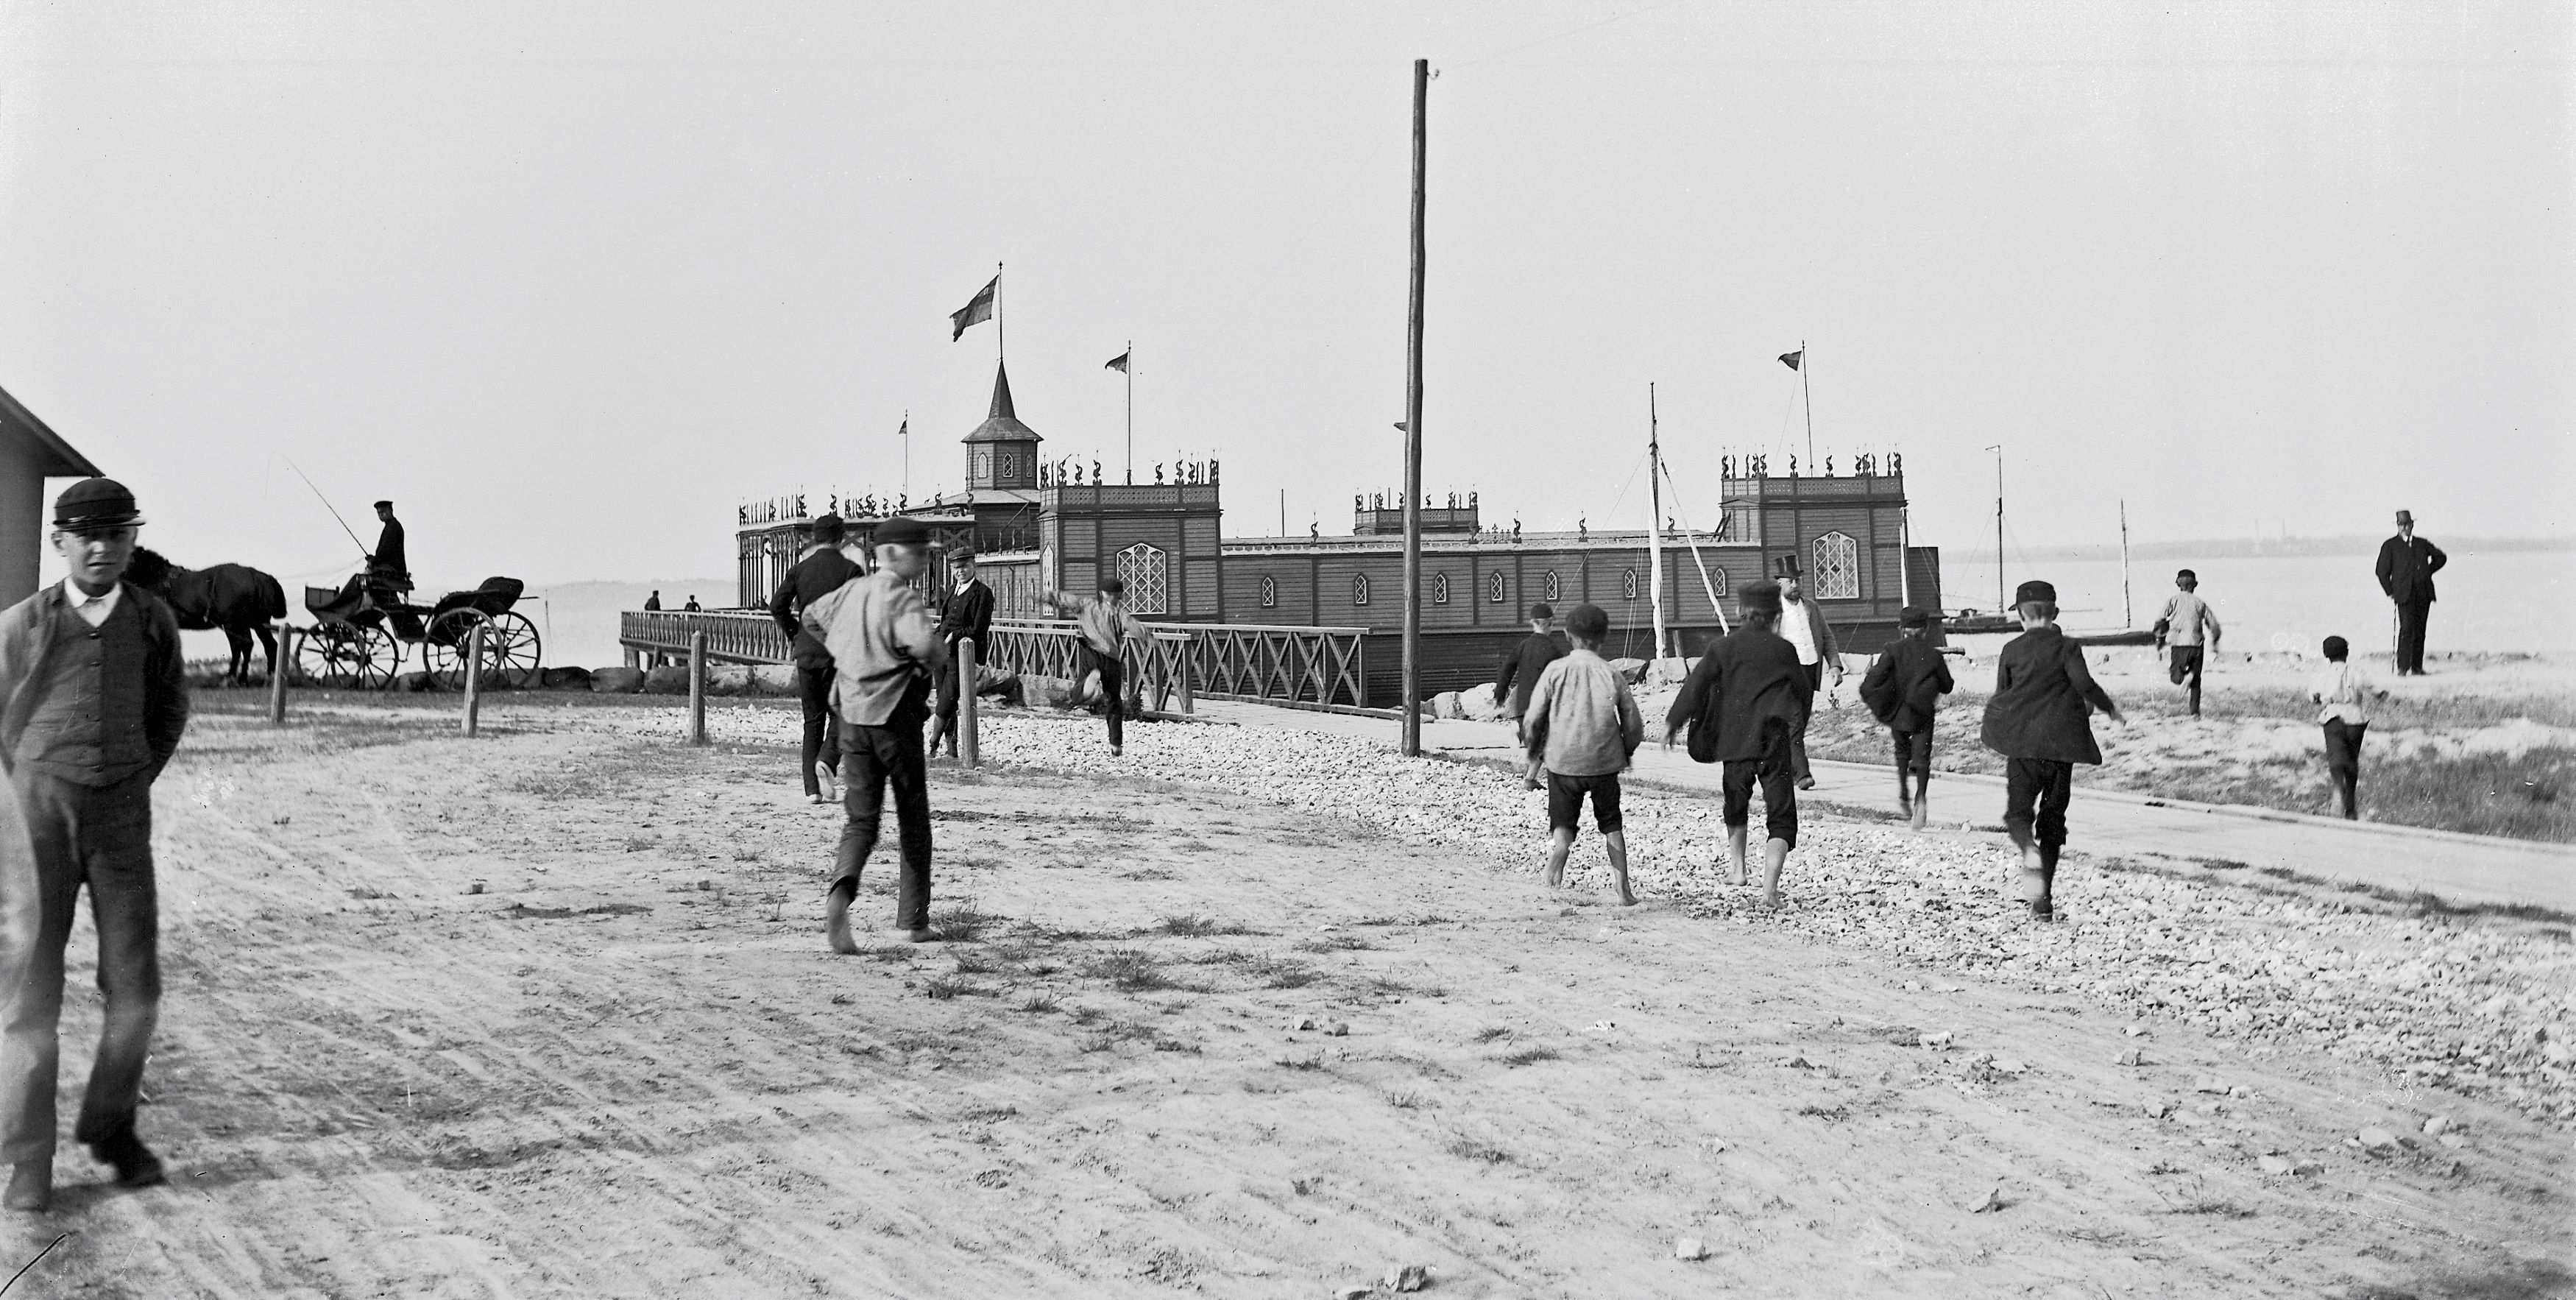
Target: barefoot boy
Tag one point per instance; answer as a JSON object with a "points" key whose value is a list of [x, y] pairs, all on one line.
{"points": [[1904, 690], [2342, 694], [2180, 628], [885, 652], [1588, 727], [1743, 703], [2038, 720]]}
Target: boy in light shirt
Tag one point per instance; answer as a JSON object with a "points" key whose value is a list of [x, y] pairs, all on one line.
{"points": [[2342, 692], [1583, 726]]}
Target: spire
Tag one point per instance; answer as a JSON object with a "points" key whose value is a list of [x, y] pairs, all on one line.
{"points": [[1002, 395], [1003, 425]]}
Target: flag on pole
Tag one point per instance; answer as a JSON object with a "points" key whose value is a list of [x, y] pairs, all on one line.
{"points": [[1119, 362], [1789, 359], [906, 430], [977, 308]]}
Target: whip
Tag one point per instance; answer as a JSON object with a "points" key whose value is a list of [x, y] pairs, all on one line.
{"points": [[363, 552]]}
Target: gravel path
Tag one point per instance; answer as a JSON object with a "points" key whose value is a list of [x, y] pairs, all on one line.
{"points": [[2481, 1006]]}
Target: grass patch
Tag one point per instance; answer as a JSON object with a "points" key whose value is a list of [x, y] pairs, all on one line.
{"points": [[1037, 1003], [988, 1114], [1530, 1056], [1408, 1101], [1493, 1033], [1129, 971], [962, 922], [941, 988], [1193, 926], [1334, 943], [1476, 1149], [2214, 1209], [976, 964]]}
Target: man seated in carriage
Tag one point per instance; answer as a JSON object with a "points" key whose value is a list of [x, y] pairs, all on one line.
{"points": [[389, 569]]}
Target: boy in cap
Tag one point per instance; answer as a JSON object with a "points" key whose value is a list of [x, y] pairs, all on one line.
{"points": [[1591, 727], [2038, 720], [2343, 694], [820, 572], [2179, 627], [1743, 704], [1903, 690], [1521, 669], [885, 652], [968, 616], [92, 704], [1104, 632]]}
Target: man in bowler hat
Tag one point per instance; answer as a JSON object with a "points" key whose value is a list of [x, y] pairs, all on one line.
{"points": [[92, 704], [821, 571], [2407, 564], [2039, 720]]}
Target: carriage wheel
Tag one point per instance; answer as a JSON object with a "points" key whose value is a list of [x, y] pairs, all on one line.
{"points": [[337, 656], [442, 647], [512, 655]]}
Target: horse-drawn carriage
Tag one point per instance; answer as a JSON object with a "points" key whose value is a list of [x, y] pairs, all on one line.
{"points": [[363, 631]]}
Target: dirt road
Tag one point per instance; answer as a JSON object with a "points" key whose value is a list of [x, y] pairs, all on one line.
{"points": [[627, 1067]]}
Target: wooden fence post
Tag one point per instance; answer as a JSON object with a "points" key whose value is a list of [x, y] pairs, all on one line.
{"points": [[697, 688], [473, 678], [1189, 702], [969, 752], [277, 674]]}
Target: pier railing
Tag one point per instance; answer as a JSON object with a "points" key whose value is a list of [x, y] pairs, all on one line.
{"points": [[740, 636]]}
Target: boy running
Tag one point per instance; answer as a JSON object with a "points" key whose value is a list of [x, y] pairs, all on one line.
{"points": [[1903, 690], [2179, 627], [1743, 704], [1591, 727], [2342, 693], [1105, 630], [2038, 720]]}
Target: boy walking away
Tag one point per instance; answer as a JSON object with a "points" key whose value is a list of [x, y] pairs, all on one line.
{"points": [[2342, 693], [885, 652], [968, 616], [1903, 690], [1521, 669], [1743, 704], [821, 572], [1581, 706], [92, 704], [2038, 720], [2180, 625], [1105, 630]]}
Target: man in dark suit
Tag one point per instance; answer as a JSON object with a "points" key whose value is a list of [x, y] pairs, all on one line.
{"points": [[820, 573], [2407, 564], [967, 616], [1529, 657], [390, 566]]}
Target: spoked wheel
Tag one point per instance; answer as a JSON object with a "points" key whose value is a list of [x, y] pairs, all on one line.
{"points": [[512, 655], [341, 656], [443, 645]]}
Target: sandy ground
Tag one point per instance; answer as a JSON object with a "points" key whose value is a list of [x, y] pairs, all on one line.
{"points": [[628, 1068]]}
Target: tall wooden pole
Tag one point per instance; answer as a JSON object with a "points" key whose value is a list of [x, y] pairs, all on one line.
{"points": [[1998, 450], [1655, 531], [1807, 389], [1130, 371], [1413, 427]]}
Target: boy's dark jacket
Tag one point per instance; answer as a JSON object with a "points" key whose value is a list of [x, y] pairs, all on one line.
{"points": [[1905, 684], [2044, 695], [1740, 695], [814, 577], [26, 641]]}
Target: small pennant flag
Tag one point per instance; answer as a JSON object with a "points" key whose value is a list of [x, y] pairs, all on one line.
{"points": [[1119, 362], [977, 308], [906, 430], [1791, 359]]}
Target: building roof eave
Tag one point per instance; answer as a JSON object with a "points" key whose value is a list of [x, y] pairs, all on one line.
{"points": [[64, 462]]}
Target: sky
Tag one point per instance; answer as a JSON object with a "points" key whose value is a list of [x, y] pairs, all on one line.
{"points": [[569, 282]]}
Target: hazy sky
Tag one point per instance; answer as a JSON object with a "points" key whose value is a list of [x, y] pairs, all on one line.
{"points": [[570, 281]]}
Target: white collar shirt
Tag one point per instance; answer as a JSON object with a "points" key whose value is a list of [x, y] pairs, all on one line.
{"points": [[93, 610], [1797, 630]]}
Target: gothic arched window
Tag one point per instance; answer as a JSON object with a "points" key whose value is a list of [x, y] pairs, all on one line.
{"points": [[1494, 588], [1548, 585], [1439, 589], [1359, 588], [1628, 584], [1837, 567], [1141, 568], [983, 464], [1269, 592]]}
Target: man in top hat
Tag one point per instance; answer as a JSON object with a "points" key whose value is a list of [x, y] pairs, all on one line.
{"points": [[389, 566], [967, 616], [92, 704], [2038, 719], [2407, 564], [818, 573], [1803, 626], [885, 652]]}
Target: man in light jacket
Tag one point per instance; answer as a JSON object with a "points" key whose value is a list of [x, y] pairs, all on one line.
{"points": [[1803, 626]]}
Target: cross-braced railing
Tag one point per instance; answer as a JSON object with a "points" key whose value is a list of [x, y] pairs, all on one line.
{"points": [[733, 635], [1311, 665]]}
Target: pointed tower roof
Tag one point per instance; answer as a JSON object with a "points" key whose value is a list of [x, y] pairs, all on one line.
{"points": [[1003, 424]]}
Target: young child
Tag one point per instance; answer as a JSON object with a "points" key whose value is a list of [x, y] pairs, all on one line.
{"points": [[1104, 630], [1521, 669], [1582, 707], [2180, 628], [1903, 690], [1743, 704], [2038, 720], [2341, 691]]}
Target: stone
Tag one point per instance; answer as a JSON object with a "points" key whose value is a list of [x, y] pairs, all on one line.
{"points": [[2434, 1125], [728, 679], [1481, 703], [1353, 1292], [1339, 1029], [2378, 1139], [1632, 670], [2157, 1108], [1303, 1023], [475, 887], [1991, 1202], [2209, 1083], [2134, 1030], [1691, 1248], [774, 679], [2454, 1141], [2307, 1169], [1445, 705], [2133, 1057], [616, 681], [2007, 1065], [1939, 1042], [1407, 1277], [2272, 1164], [669, 679], [564, 679]]}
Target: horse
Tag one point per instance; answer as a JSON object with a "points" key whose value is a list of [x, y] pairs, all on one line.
{"points": [[235, 597]]}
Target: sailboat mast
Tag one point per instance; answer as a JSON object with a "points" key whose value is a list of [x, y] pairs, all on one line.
{"points": [[1998, 450], [1655, 524], [2128, 615]]}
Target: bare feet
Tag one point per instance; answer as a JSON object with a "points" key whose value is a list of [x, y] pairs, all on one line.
{"points": [[1555, 877], [1771, 898], [922, 935], [1626, 899], [836, 923], [1922, 815], [31, 1186]]}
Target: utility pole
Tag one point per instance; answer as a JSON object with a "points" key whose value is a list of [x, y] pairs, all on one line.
{"points": [[1130, 371], [1998, 450], [1413, 426], [1655, 531]]}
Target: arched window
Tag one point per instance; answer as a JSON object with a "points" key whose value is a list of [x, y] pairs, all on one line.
{"points": [[1494, 587], [1269, 591], [1141, 568], [1549, 586], [1837, 567], [1439, 589], [1359, 588], [983, 464], [1628, 584]]}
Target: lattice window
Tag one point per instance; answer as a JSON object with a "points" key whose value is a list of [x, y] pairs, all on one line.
{"points": [[1359, 588], [1141, 568], [1837, 567], [1548, 585], [1628, 584], [1439, 589], [1269, 592], [1494, 592], [983, 465]]}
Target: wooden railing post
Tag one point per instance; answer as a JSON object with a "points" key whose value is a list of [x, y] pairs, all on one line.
{"points": [[277, 662], [969, 751], [1189, 705], [473, 678], [697, 688]]}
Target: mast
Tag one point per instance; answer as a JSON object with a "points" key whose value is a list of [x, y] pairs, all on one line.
{"points": [[2128, 616], [1655, 528], [1998, 450], [1413, 425], [1807, 389], [1130, 371]]}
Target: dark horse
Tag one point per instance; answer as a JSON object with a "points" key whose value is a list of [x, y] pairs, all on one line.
{"points": [[235, 597]]}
